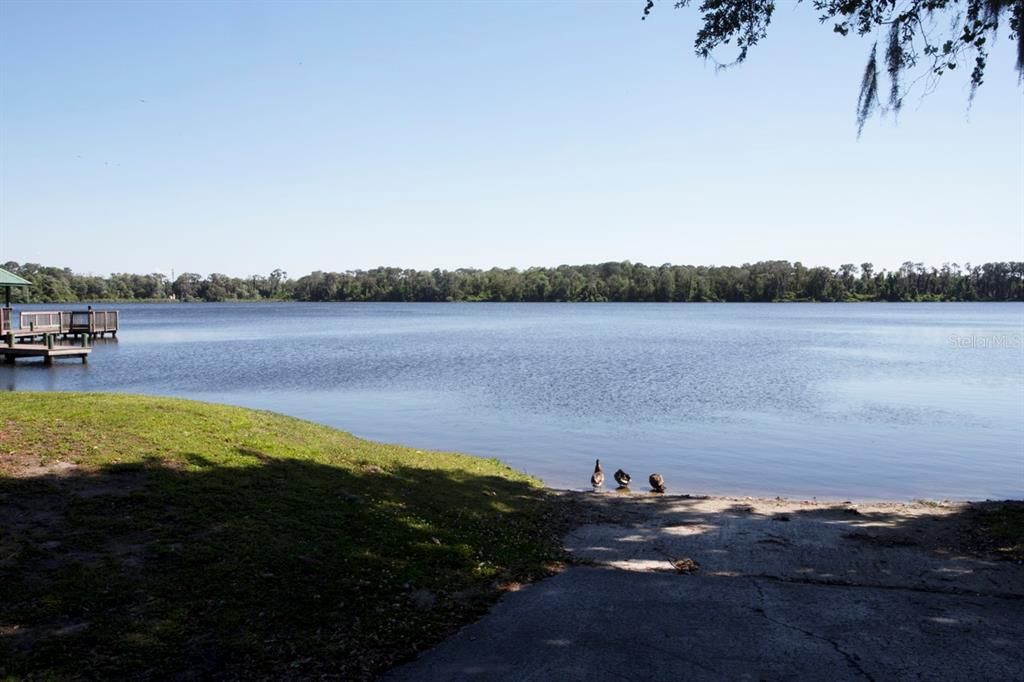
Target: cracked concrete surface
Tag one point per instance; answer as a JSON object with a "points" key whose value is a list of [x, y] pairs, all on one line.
{"points": [[783, 590]]}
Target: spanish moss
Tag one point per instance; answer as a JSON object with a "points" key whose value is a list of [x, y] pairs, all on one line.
{"points": [[868, 91]]}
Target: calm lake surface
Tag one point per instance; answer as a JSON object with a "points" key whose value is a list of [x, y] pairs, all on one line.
{"points": [[860, 401]]}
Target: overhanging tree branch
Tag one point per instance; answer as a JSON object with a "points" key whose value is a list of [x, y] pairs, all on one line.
{"points": [[913, 32]]}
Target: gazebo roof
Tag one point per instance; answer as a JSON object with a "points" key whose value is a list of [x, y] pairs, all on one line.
{"points": [[9, 279]]}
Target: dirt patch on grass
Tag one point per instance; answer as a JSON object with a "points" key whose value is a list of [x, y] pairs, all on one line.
{"points": [[74, 478], [34, 505], [21, 465], [22, 458]]}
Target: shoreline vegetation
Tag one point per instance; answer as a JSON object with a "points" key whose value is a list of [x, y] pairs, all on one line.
{"points": [[158, 537], [625, 282]]}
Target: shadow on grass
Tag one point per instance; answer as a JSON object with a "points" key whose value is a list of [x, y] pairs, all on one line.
{"points": [[282, 568]]}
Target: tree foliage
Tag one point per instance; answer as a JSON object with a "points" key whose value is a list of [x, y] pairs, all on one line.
{"points": [[937, 35], [615, 281]]}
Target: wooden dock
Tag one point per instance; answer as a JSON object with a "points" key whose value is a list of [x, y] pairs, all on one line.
{"points": [[47, 326], [38, 333], [40, 350]]}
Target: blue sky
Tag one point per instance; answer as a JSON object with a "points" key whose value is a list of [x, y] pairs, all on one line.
{"points": [[239, 138]]}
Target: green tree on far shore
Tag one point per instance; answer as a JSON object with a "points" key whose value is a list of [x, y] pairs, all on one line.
{"points": [[624, 281]]}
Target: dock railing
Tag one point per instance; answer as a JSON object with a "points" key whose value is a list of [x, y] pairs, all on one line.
{"points": [[40, 321], [91, 322]]}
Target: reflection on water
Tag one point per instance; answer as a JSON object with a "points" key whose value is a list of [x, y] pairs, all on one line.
{"points": [[867, 400]]}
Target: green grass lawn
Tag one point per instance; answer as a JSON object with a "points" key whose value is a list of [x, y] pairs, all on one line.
{"points": [[156, 537]]}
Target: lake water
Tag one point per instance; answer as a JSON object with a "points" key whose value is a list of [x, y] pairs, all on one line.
{"points": [[854, 401]]}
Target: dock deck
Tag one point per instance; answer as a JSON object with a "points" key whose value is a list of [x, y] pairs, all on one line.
{"points": [[47, 353]]}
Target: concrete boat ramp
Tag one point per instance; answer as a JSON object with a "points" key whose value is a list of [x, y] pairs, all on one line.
{"points": [[676, 588]]}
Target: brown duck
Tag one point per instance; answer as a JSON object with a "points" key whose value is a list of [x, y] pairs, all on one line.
{"points": [[597, 480], [657, 483]]}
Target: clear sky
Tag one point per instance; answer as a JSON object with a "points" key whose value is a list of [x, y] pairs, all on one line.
{"points": [[242, 137]]}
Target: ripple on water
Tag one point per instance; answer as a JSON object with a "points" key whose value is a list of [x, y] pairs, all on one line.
{"points": [[864, 400]]}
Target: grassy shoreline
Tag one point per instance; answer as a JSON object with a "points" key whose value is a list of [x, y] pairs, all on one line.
{"points": [[152, 537], [156, 537]]}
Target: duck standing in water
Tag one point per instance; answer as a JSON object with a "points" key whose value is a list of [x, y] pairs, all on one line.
{"points": [[622, 478], [657, 483], [597, 480]]}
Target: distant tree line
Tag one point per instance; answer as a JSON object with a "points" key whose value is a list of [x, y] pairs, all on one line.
{"points": [[626, 282]]}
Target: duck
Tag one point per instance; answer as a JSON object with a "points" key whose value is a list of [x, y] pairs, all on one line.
{"points": [[597, 480], [657, 483], [622, 478]]}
